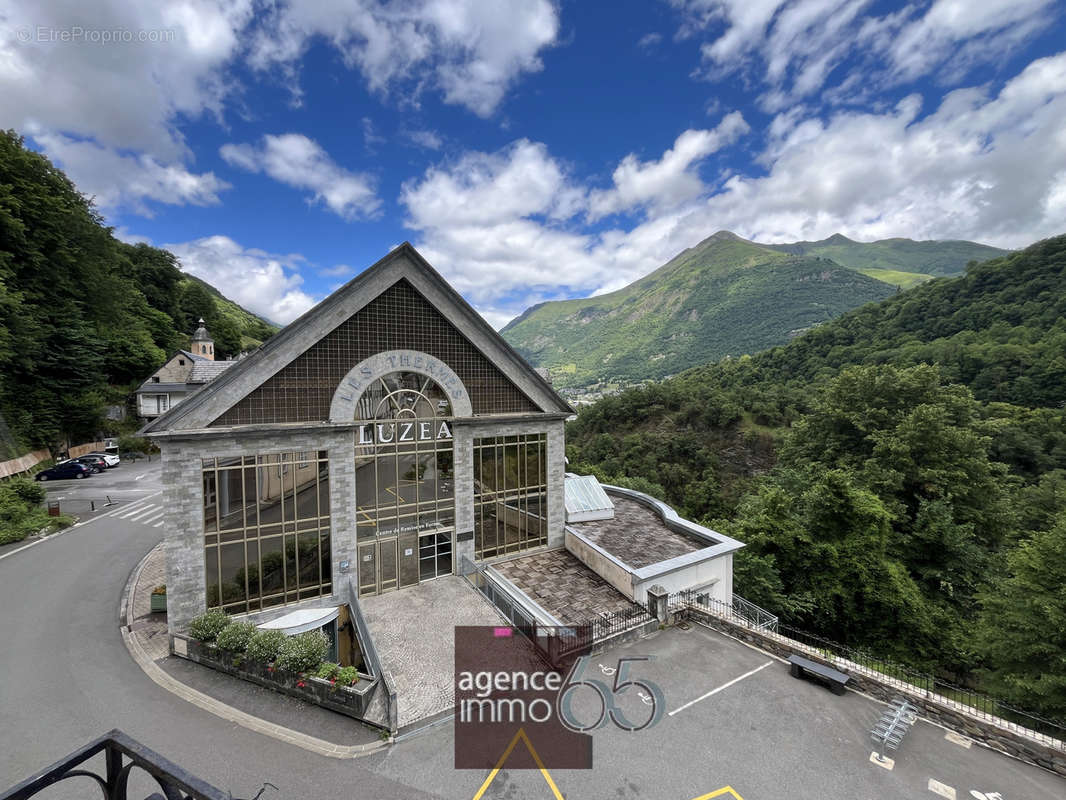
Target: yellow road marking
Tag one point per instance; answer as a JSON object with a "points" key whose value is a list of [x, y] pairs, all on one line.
{"points": [[536, 759], [719, 793]]}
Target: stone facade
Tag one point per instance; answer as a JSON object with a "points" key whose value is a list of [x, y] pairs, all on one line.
{"points": [[191, 433]]}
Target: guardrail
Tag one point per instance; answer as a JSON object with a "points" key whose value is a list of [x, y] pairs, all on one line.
{"points": [[372, 659]]}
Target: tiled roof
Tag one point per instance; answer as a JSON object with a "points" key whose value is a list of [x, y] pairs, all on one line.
{"points": [[206, 371]]}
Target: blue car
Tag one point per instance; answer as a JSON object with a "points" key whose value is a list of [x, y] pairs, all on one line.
{"points": [[68, 469]]}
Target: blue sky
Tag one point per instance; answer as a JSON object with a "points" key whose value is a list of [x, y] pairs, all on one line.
{"points": [[534, 150]]}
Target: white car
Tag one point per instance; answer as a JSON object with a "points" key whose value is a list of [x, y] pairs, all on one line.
{"points": [[111, 459]]}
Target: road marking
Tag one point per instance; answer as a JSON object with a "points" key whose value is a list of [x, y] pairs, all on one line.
{"points": [[152, 517], [142, 512], [961, 741], [136, 511], [724, 790], [720, 688], [158, 525], [536, 759], [942, 789], [145, 475]]}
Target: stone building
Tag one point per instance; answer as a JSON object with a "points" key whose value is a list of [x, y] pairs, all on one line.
{"points": [[375, 443], [185, 372]]}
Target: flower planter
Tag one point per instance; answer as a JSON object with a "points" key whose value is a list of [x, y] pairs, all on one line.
{"points": [[159, 603]]}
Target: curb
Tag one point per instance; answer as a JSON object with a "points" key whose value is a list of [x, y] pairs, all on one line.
{"points": [[220, 709]]}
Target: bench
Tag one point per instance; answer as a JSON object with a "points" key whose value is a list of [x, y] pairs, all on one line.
{"points": [[800, 666]]}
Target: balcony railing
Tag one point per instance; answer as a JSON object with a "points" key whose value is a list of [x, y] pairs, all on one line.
{"points": [[122, 755]]}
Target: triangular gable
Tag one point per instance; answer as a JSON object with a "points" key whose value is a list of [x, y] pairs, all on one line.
{"points": [[281, 363]]}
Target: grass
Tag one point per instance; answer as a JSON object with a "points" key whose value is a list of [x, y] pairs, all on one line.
{"points": [[894, 277]]}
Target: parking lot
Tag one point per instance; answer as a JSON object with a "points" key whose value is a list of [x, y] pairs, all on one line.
{"points": [[736, 718]]}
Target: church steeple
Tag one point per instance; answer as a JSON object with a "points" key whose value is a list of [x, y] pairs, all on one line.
{"points": [[202, 343]]}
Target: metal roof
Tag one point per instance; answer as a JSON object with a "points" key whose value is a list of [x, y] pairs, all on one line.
{"points": [[586, 500]]}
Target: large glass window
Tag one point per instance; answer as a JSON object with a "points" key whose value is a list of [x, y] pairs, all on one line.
{"points": [[510, 494], [266, 529], [404, 486]]}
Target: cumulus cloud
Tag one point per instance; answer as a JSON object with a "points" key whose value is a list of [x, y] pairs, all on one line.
{"points": [[115, 180], [792, 47], [510, 228], [300, 162], [471, 51], [266, 284], [672, 179]]}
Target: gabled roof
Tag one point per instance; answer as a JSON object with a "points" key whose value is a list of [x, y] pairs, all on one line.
{"points": [[404, 262], [193, 356], [206, 371]]}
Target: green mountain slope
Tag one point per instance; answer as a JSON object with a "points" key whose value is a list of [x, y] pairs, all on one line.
{"points": [[898, 474], [904, 280], [726, 296], [938, 258], [84, 316]]}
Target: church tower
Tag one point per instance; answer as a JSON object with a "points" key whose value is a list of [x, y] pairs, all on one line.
{"points": [[202, 343]]}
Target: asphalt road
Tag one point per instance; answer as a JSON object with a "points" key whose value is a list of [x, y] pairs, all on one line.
{"points": [[68, 678]]}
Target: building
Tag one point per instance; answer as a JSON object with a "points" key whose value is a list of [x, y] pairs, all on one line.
{"points": [[185, 372], [386, 438]]}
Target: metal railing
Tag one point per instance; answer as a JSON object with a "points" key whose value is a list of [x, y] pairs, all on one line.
{"points": [[965, 700], [121, 756], [740, 610], [892, 673], [371, 658]]}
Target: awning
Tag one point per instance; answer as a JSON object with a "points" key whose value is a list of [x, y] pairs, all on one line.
{"points": [[304, 619]]}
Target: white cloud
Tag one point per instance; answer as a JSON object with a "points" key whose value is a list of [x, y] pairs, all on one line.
{"points": [[300, 162], [472, 51], [338, 271], [115, 180], [793, 46], [509, 228], [670, 181], [266, 284], [429, 140], [649, 41]]}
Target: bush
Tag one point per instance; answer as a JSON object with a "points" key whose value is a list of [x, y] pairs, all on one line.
{"points": [[303, 652], [235, 637], [347, 676], [326, 670], [208, 625], [264, 646], [30, 492]]}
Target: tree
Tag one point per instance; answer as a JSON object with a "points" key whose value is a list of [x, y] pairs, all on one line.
{"points": [[1022, 632]]}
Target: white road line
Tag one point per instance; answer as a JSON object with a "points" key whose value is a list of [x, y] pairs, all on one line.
{"points": [[153, 517], [720, 688], [141, 476], [133, 512], [158, 524], [144, 513]]}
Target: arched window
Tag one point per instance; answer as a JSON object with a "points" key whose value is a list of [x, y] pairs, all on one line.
{"points": [[404, 487]]}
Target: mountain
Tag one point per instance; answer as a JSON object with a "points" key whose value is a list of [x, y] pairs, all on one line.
{"points": [[725, 296], [84, 316], [879, 259], [898, 474]]}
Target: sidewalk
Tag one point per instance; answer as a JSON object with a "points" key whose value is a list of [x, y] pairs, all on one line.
{"points": [[261, 710]]}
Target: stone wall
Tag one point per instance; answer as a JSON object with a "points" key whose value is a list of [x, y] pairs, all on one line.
{"points": [[999, 734]]}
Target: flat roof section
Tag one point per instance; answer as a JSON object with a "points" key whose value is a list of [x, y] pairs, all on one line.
{"points": [[563, 586], [637, 535]]}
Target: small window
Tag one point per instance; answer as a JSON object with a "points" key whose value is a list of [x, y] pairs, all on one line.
{"points": [[155, 379], [181, 362], [203, 348]]}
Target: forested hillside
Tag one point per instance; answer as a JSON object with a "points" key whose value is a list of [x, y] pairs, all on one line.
{"points": [[725, 296], [898, 474], [83, 316]]}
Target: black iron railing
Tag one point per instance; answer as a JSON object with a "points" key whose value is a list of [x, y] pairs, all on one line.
{"points": [[122, 755]]}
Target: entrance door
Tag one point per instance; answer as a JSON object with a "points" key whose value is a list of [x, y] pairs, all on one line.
{"points": [[387, 564], [434, 555]]}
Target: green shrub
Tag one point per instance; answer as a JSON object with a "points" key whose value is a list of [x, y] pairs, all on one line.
{"points": [[208, 625], [303, 652], [326, 670], [264, 646], [235, 636], [30, 492], [347, 676]]}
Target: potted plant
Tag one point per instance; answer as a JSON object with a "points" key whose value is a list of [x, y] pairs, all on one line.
{"points": [[159, 598]]}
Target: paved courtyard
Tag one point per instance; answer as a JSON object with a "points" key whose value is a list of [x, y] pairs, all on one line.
{"points": [[414, 632], [563, 586], [636, 535]]}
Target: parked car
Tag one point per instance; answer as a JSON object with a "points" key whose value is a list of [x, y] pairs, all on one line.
{"points": [[95, 463], [68, 469], [112, 459]]}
